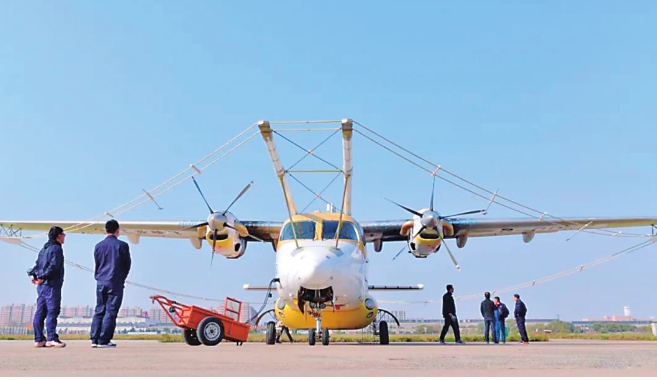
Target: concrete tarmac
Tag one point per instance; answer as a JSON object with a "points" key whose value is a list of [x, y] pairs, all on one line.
{"points": [[150, 358]]}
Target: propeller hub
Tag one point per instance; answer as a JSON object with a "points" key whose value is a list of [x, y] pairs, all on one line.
{"points": [[430, 219], [217, 221]]}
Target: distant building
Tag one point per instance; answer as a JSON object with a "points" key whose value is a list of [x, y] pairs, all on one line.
{"points": [[132, 312], [626, 311], [17, 315], [246, 311], [399, 314], [77, 311], [158, 315]]}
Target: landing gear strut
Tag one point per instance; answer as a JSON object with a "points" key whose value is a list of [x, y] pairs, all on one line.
{"points": [[318, 332]]}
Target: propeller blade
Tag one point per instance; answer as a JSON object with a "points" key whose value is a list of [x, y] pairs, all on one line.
{"points": [[399, 253], [199, 225], [238, 196], [432, 189], [251, 236], [214, 242], [451, 256], [202, 196], [405, 208], [464, 213]]}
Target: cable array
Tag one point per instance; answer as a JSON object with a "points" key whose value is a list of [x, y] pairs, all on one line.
{"points": [[543, 280], [160, 190], [435, 170]]}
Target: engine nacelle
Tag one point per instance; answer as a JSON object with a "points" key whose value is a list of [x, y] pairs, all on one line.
{"points": [[428, 241], [228, 242]]}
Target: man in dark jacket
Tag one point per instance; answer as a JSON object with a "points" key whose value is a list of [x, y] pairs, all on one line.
{"points": [[487, 309], [449, 313], [502, 314], [113, 263], [48, 275], [519, 313]]}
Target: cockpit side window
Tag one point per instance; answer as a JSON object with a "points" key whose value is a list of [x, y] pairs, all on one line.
{"points": [[348, 230], [304, 230]]}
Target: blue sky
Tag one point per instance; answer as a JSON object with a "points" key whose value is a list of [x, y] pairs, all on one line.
{"points": [[553, 103]]}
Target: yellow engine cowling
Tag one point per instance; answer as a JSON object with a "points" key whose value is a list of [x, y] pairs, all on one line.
{"points": [[226, 243], [429, 242]]}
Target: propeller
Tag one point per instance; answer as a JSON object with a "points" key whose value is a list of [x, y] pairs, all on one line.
{"points": [[218, 221], [433, 220]]}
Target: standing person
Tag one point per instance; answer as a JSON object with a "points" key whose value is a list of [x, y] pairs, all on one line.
{"points": [[48, 275], [502, 314], [519, 313], [113, 263], [449, 313], [487, 309], [281, 328]]}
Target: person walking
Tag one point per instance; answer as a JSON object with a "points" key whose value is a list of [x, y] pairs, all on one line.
{"points": [[449, 313]]}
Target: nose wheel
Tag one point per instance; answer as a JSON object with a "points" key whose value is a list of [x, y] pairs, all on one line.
{"points": [[318, 332]]}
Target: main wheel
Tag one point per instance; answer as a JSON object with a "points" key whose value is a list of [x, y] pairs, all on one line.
{"points": [[271, 333], [210, 331], [190, 337], [384, 338], [325, 337], [311, 337]]}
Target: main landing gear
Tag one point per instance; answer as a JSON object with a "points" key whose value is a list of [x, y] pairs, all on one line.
{"points": [[382, 332]]}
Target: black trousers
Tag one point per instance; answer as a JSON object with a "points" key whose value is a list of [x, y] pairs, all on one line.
{"points": [[455, 326], [287, 332], [520, 321]]}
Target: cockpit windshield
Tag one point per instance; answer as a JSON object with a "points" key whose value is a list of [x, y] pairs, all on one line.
{"points": [[304, 229], [348, 230]]}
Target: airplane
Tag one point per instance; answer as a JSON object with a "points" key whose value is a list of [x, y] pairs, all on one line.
{"points": [[321, 257]]}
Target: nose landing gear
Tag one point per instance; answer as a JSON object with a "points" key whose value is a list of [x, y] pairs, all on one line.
{"points": [[318, 332]]}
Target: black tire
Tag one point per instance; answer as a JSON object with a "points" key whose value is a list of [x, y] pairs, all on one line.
{"points": [[384, 338], [325, 337], [190, 337], [210, 331], [311, 337], [271, 333]]}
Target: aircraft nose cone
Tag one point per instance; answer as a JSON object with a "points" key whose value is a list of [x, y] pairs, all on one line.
{"points": [[314, 273]]}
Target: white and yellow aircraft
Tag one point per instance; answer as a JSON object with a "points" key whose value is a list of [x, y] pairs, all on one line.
{"points": [[321, 257]]}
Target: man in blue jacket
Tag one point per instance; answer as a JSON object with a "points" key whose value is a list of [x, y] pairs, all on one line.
{"points": [[502, 313], [113, 263], [48, 275], [519, 313]]}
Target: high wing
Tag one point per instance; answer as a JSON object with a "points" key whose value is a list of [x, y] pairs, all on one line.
{"points": [[265, 231], [390, 230]]}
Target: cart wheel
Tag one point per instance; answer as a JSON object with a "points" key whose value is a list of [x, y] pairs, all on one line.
{"points": [[271, 333], [311, 337], [383, 333], [325, 337], [191, 338], [210, 331]]}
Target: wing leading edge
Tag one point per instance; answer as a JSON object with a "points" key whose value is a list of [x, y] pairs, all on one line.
{"points": [[390, 230], [266, 231]]}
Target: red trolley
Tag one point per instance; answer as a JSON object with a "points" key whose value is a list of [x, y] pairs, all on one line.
{"points": [[203, 326]]}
